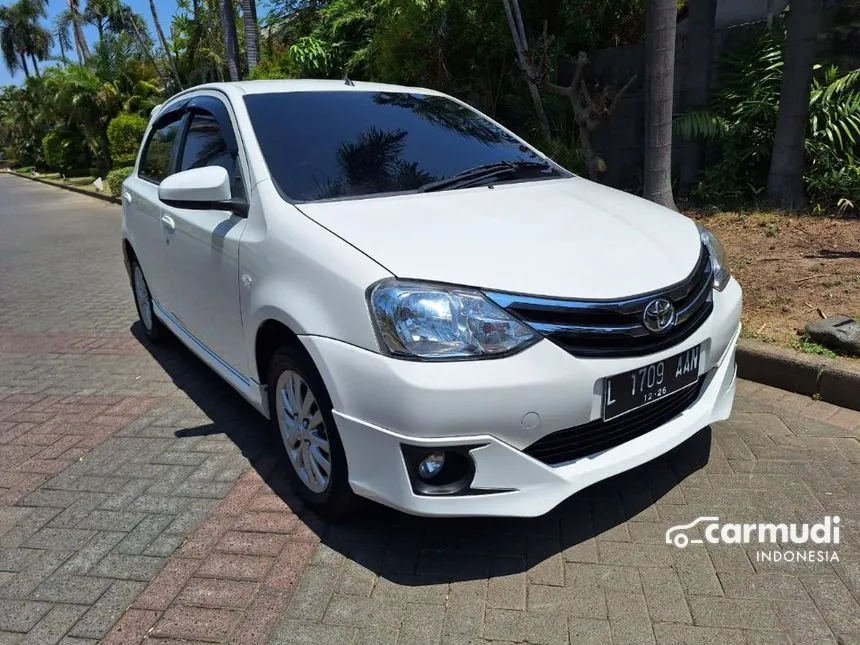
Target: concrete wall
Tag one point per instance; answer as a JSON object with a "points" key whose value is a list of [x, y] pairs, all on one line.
{"points": [[738, 12]]}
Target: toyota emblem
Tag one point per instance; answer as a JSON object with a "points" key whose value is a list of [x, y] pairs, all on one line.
{"points": [[659, 316]]}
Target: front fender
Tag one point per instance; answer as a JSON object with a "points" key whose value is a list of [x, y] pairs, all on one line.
{"points": [[300, 274]]}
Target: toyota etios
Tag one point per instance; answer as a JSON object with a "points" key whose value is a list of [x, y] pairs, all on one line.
{"points": [[433, 314]]}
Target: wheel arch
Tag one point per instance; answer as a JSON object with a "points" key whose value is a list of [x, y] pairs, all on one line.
{"points": [[128, 254], [271, 334]]}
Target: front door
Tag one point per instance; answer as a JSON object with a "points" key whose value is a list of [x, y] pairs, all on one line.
{"points": [[143, 210], [203, 249]]}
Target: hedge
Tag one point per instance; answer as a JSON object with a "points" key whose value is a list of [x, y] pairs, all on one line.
{"points": [[116, 177]]}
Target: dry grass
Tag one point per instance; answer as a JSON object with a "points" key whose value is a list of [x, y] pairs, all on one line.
{"points": [[791, 267]]}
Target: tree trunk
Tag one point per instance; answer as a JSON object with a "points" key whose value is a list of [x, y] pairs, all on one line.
{"points": [[252, 33], [515, 22], [24, 65], [144, 48], [163, 41], [785, 181], [661, 17], [231, 45], [35, 65], [697, 82], [80, 40]]}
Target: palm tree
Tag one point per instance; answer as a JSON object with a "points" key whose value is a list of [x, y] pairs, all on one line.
{"points": [[167, 51], [21, 35], [785, 180], [81, 46], [10, 41], [62, 29], [231, 45], [661, 17], [252, 33]]}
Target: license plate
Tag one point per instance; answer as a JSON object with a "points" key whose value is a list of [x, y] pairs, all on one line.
{"points": [[625, 392]]}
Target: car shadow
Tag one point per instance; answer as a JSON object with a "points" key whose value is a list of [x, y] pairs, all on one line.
{"points": [[415, 550]]}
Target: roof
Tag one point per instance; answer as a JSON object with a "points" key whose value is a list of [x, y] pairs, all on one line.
{"points": [[306, 85]]}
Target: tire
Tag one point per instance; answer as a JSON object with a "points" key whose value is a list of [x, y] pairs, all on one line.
{"points": [[309, 436], [152, 326]]}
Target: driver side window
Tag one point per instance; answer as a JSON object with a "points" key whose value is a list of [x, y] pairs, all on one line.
{"points": [[155, 163], [205, 145]]}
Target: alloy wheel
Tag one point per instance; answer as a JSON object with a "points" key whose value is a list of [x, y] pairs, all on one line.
{"points": [[303, 431]]}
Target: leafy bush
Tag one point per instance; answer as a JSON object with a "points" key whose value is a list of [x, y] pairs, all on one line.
{"points": [[116, 177], [125, 132], [64, 150], [741, 121]]}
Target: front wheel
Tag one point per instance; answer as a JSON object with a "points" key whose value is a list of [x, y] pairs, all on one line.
{"points": [[155, 330], [301, 411]]}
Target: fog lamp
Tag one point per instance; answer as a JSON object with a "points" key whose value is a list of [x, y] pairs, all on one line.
{"points": [[431, 465]]}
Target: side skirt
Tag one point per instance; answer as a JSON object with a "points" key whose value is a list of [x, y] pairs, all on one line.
{"points": [[252, 391]]}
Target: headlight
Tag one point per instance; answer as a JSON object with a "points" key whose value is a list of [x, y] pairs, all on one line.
{"points": [[433, 322], [719, 261]]}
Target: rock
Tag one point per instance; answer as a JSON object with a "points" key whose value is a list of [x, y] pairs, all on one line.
{"points": [[839, 333], [99, 184]]}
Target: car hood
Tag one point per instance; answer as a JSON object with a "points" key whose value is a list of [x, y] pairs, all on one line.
{"points": [[566, 238]]}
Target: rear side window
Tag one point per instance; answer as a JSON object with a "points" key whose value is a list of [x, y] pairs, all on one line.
{"points": [[205, 145], [156, 161]]}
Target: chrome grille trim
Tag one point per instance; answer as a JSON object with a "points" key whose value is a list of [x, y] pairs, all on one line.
{"points": [[614, 328]]}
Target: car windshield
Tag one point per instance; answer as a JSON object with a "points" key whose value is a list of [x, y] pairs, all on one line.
{"points": [[330, 145]]}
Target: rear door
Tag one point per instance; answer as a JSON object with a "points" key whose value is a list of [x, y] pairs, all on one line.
{"points": [[144, 211], [203, 255]]}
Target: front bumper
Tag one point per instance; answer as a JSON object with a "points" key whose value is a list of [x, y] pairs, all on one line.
{"points": [[381, 403]]}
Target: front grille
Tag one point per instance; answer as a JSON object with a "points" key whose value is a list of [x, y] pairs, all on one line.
{"points": [[590, 438], [614, 328]]}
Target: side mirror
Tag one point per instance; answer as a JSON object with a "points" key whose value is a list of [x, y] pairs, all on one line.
{"points": [[205, 188]]}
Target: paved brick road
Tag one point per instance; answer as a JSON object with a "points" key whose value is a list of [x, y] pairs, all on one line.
{"points": [[140, 498]]}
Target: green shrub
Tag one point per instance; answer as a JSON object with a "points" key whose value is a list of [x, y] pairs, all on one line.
{"points": [[116, 177], [64, 149], [125, 133], [741, 124]]}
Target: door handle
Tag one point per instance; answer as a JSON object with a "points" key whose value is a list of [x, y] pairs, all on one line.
{"points": [[128, 197], [168, 223]]}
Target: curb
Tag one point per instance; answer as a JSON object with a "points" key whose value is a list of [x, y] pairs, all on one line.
{"points": [[835, 381], [102, 196]]}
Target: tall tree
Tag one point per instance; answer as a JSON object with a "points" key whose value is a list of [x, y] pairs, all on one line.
{"points": [[231, 44], [22, 36], [164, 45], [11, 38], [697, 80], [521, 44], [661, 17], [785, 180], [252, 33], [77, 27], [62, 27]]}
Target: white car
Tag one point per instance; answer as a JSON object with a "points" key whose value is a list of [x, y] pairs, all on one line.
{"points": [[433, 314]]}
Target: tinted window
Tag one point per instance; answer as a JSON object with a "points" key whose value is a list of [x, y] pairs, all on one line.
{"points": [[155, 164], [324, 145], [206, 146]]}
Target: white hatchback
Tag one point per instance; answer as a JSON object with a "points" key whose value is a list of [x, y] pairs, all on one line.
{"points": [[433, 314]]}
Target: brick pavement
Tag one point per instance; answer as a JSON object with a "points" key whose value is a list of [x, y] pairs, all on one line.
{"points": [[141, 499]]}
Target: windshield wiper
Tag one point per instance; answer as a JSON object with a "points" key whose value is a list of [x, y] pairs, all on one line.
{"points": [[478, 174]]}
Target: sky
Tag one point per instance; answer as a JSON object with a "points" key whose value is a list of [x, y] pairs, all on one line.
{"points": [[165, 9]]}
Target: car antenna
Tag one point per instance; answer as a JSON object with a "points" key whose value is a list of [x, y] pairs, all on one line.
{"points": [[346, 80]]}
